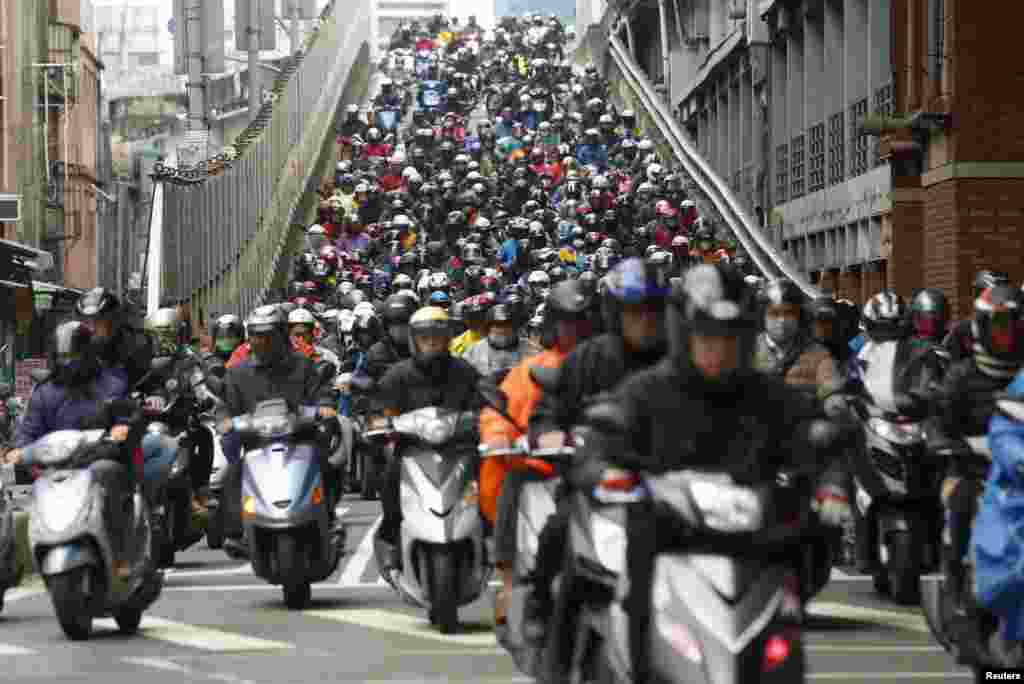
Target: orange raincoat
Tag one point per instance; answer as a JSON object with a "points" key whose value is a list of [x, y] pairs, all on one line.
{"points": [[523, 394]]}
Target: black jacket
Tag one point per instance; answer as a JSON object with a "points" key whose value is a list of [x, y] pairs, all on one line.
{"points": [[966, 399], [405, 387], [131, 351], [598, 365], [667, 419], [294, 379]]}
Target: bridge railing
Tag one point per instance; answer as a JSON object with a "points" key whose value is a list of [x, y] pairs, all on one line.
{"points": [[220, 230], [713, 194]]}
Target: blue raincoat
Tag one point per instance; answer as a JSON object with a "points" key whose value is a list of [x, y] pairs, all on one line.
{"points": [[997, 538]]}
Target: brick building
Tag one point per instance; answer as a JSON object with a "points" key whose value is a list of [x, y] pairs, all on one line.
{"points": [[957, 151]]}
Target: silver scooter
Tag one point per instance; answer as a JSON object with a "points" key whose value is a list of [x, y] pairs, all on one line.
{"points": [[444, 558], [285, 502], [71, 544], [10, 573], [726, 609]]}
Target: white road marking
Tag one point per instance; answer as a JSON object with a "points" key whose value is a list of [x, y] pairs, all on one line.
{"points": [[228, 588], [20, 594], [360, 560], [840, 576], [238, 570], [404, 624], [888, 618], [872, 676], [197, 636], [158, 664], [229, 678], [837, 648], [12, 650]]}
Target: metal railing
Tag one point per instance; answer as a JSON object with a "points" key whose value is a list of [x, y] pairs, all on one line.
{"points": [[221, 228], [765, 256]]}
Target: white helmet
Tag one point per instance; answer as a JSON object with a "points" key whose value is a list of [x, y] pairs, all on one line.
{"points": [[301, 317], [438, 281], [401, 221], [363, 309]]}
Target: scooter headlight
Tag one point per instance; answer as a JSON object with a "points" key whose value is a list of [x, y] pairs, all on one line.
{"points": [[609, 543], [897, 433]]}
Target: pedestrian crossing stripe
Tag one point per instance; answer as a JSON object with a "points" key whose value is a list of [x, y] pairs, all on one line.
{"points": [[198, 636], [911, 622]]}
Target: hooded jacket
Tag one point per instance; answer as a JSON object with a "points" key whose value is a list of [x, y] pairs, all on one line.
{"points": [[57, 406]]}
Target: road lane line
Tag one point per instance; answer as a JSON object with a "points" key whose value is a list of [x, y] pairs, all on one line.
{"points": [[405, 624], [353, 572], [238, 570], [227, 588], [887, 618], [837, 648], [872, 676], [197, 636], [158, 664], [840, 576], [12, 650]]}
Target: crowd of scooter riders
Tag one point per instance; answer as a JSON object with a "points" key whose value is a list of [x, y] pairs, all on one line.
{"points": [[504, 256]]}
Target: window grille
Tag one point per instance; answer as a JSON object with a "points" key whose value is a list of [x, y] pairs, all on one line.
{"points": [[797, 167], [781, 173], [817, 158], [858, 142], [836, 149], [883, 107]]}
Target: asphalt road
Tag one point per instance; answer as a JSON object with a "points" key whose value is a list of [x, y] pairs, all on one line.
{"points": [[216, 622]]}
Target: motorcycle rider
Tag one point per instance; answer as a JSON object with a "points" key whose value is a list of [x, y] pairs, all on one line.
{"points": [[746, 425], [929, 313], [565, 323], [75, 397], [273, 370], [503, 348], [474, 316], [786, 348], [118, 345], [227, 335], [965, 400], [301, 329], [430, 377], [394, 345], [959, 342]]}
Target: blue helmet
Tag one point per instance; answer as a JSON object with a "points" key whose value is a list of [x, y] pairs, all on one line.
{"points": [[440, 298], [632, 281]]}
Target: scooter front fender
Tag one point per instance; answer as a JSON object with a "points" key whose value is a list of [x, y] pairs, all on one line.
{"points": [[67, 557]]}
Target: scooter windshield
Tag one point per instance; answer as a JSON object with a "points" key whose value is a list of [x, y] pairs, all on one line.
{"points": [[59, 447]]}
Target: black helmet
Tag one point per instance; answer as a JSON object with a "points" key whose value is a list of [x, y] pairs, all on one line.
{"points": [[71, 355], [929, 311], [714, 301], [228, 333], [366, 331], [568, 301], [884, 317], [998, 330]]}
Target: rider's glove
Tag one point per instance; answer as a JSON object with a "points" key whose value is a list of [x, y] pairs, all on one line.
{"points": [[832, 506]]}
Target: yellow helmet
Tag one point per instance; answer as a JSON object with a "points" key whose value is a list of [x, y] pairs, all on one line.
{"points": [[430, 321]]}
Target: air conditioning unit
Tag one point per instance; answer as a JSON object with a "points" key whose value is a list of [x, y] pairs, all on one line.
{"points": [[10, 208]]}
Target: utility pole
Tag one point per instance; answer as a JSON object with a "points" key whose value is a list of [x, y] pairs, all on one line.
{"points": [[293, 28], [255, 98], [196, 133]]}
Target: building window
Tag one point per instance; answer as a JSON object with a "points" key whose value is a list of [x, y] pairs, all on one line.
{"points": [[836, 149], [797, 167], [781, 173], [883, 107], [858, 142], [817, 158]]}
